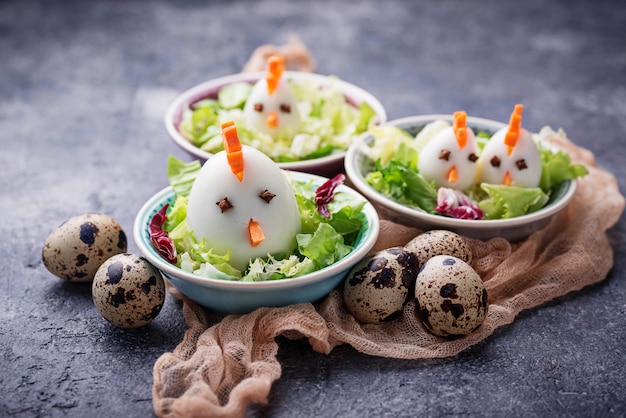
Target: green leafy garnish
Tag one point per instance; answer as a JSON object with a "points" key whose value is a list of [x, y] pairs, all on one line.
{"points": [[182, 175], [403, 184], [234, 95], [511, 201]]}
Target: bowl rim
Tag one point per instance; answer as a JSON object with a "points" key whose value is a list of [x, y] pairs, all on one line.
{"points": [[366, 189], [195, 93], [159, 198]]}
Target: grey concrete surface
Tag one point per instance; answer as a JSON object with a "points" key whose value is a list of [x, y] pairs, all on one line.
{"points": [[83, 88]]}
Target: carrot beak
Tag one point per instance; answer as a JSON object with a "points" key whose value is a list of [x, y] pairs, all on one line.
{"points": [[507, 179], [255, 233], [453, 175], [272, 119]]}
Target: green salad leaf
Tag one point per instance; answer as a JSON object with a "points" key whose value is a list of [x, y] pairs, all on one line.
{"points": [[511, 201], [325, 246], [557, 167], [234, 95], [403, 184], [182, 175]]}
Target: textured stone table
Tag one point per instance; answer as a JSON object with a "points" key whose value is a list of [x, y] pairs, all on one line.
{"points": [[83, 88]]}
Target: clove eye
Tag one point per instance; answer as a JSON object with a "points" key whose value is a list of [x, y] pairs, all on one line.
{"points": [[472, 157], [521, 164], [495, 161], [285, 108], [266, 195], [258, 107], [444, 154], [224, 204]]}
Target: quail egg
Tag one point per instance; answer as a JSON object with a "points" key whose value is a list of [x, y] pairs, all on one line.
{"points": [[74, 250], [376, 288], [451, 297], [128, 291], [439, 242]]}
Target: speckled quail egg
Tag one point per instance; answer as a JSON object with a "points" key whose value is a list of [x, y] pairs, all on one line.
{"points": [[451, 297], [74, 250], [439, 242], [128, 291], [376, 288]]}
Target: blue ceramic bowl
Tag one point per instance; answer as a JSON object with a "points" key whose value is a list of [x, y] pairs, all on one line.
{"points": [[358, 164], [326, 166], [232, 297]]}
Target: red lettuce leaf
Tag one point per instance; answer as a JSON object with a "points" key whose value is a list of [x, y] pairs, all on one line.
{"points": [[162, 243], [326, 193]]}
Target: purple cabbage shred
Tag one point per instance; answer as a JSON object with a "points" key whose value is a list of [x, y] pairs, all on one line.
{"points": [[456, 204]]}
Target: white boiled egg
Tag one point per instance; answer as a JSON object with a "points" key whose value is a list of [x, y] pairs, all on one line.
{"points": [[272, 107], [516, 165], [221, 208], [449, 161]]}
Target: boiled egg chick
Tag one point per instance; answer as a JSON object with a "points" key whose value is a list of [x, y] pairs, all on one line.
{"points": [[242, 203], [511, 156], [449, 158], [272, 107]]}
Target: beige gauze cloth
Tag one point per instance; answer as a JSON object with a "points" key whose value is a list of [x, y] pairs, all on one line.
{"points": [[224, 364]]}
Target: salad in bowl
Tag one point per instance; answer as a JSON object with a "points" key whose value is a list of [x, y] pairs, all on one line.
{"points": [[478, 177], [238, 232], [302, 121]]}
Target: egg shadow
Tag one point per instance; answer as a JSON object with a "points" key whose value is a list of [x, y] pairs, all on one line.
{"points": [[66, 288]]}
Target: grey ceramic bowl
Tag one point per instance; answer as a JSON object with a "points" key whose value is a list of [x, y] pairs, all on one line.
{"points": [[232, 297], [358, 165], [325, 166]]}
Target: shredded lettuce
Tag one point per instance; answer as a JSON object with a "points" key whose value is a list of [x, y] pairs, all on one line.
{"points": [[394, 173], [329, 123], [323, 239]]}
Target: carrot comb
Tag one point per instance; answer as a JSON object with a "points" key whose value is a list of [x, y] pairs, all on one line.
{"points": [[515, 128], [460, 128], [232, 146], [275, 68]]}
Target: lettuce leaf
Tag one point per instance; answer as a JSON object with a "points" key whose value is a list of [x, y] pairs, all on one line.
{"points": [[195, 126], [511, 201], [325, 246], [181, 175], [557, 167], [234, 95], [398, 181], [387, 145]]}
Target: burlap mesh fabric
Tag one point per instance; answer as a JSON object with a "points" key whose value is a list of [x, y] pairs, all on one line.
{"points": [[223, 365]]}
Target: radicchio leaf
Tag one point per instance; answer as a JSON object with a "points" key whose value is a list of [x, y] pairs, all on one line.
{"points": [[326, 193], [456, 204], [162, 243]]}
